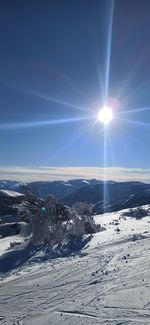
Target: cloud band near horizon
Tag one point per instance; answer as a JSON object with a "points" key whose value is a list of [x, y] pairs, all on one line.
{"points": [[29, 174]]}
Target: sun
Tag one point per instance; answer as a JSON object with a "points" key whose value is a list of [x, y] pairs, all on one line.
{"points": [[105, 115]]}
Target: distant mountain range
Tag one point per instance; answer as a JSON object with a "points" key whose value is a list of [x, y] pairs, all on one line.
{"points": [[118, 195], [59, 189]]}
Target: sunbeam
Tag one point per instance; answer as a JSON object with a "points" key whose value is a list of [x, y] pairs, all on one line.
{"points": [[60, 101], [128, 80], [106, 114], [137, 123], [45, 97], [9, 126], [130, 97], [108, 50], [111, 149], [67, 145], [142, 109], [104, 173]]}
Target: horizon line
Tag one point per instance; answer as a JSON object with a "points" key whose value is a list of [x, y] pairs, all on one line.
{"points": [[65, 173]]}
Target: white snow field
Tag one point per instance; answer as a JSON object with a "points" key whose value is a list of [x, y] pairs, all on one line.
{"points": [[107, 282]]}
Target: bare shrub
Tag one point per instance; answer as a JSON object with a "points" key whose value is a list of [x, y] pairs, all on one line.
{"points": [[140, 213], [137, 213]]}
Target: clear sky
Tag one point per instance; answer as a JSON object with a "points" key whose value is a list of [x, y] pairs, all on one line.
{"points": [[59, 61]]}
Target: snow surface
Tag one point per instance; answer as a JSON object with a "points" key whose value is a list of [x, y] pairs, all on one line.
{"points": [[5, 243], [11, 193], [107, 282], [86, 182]]}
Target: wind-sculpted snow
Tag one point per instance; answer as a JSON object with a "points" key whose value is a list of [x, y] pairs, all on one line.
{"points": [[106, 282]]}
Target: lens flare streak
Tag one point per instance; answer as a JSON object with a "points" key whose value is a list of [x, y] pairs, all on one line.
{"points": [[45, 97], [142, 109], [104, 173], [137, 123], [9, 126], [108, 54]]}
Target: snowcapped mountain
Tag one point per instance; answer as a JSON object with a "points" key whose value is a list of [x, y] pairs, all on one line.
{"points": [[11, 185], [59, 189], [119, 195]]}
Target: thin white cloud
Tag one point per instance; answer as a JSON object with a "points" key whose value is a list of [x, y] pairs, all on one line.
{"points": [[29, 174]]}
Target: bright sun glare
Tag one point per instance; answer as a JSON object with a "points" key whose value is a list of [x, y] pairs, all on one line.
{"points": [[105, 115]]}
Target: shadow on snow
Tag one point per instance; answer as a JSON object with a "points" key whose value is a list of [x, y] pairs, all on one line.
{"points": [[27, 254]]}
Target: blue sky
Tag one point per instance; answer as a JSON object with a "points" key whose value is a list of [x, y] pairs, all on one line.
{"points": [[56, 57]]}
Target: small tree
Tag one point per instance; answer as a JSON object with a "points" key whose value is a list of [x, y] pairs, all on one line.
{"points": [[50, 221], [137, 213], [39, 226], [140, 213], [82, 208], [85, 211]]}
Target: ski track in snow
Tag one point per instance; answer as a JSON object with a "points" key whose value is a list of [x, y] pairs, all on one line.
{"points": [[109, 285]]}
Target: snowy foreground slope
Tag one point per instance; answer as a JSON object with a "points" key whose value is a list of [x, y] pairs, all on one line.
{"points": [[107, 282]]}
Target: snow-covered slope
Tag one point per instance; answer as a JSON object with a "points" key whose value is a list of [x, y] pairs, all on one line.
{"points": [[107, 282], [10, 193]]}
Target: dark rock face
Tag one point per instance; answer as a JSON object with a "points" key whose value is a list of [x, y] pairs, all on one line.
{"points": [[7, 203], [11, 205], [10, 229], [10, 201]]}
